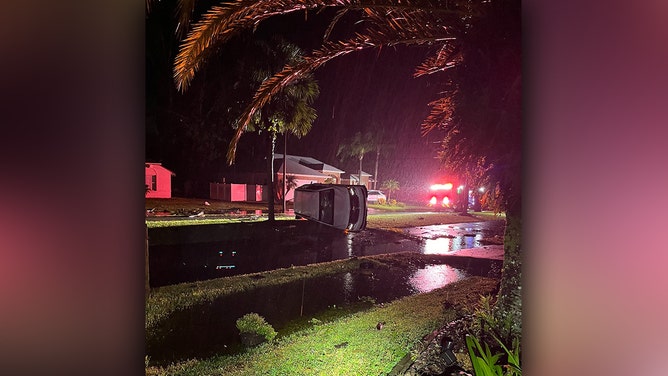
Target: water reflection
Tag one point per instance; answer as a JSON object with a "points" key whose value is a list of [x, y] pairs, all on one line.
{"points": [[437, 246], [348, 286], [449, 244], [443, 239], [433, 277]]}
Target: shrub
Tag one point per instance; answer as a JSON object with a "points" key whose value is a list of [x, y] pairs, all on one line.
{"points": [[254, 323], [489, 328], [381, 201], [484, 363], [393, 202]]}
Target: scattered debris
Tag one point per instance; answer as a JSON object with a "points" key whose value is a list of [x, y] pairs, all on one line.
{"points": [[340, 345]]}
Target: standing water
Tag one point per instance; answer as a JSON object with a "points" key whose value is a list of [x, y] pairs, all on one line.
{"points": [[208, 329], [192, 253]]}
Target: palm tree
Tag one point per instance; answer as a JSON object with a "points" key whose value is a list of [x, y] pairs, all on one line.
{"points": [[356, 148], [289, 111], [290, 183], [391, 186], [475, 42], [380, 145]]}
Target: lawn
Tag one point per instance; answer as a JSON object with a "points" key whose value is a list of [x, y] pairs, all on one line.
{"points": [[217, 212]]}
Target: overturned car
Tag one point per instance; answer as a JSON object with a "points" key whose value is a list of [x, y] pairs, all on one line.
{"points": [[337, 205]]}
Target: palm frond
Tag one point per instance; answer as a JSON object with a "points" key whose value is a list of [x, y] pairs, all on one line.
{"points": [[382, 32], [287, 76], [184, 11], [447, 57], [331, 25], [384, 23], [440, 115], [223, 21]]}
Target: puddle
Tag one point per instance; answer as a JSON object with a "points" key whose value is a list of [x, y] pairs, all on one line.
{"points": [[209, 329], [444, 239]]}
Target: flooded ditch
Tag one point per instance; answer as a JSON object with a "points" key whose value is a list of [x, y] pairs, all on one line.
{"points": [[209, 329], [204, 252], [194, 253]]}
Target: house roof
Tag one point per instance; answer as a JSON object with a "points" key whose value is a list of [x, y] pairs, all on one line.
{"points": [[355, 175], [296, 168], [157, 166], [310, 163]]}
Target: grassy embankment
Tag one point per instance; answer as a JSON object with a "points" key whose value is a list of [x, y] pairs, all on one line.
{"points": [[350, 345]]}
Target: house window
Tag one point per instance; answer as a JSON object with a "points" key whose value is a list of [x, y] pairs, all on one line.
{"points": [[154, 182]]}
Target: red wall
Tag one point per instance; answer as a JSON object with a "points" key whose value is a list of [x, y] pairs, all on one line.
{"points": [[163, 181]]}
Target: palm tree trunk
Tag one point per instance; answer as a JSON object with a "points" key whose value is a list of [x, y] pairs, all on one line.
{"points": [[360, 175], [464, 199], [375, 173], [509, 298], [285, 167], [272, 215]]}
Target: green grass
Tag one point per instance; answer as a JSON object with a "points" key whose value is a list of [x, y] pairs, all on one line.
{"points": [[210, 221], [350, 345], [400, 207]]}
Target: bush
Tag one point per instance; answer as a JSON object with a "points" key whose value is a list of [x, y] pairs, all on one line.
{"points": [[254, 323], [393, 202], [381, 201], [484, 363], [488, 328]]}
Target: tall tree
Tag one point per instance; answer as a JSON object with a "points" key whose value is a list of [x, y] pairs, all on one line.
{"points": [[477, 41], [357, 147], [380, 144], [289, 111], [480, 113]]}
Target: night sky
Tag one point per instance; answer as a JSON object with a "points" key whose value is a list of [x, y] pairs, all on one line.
{"points": [[361, 91]]}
